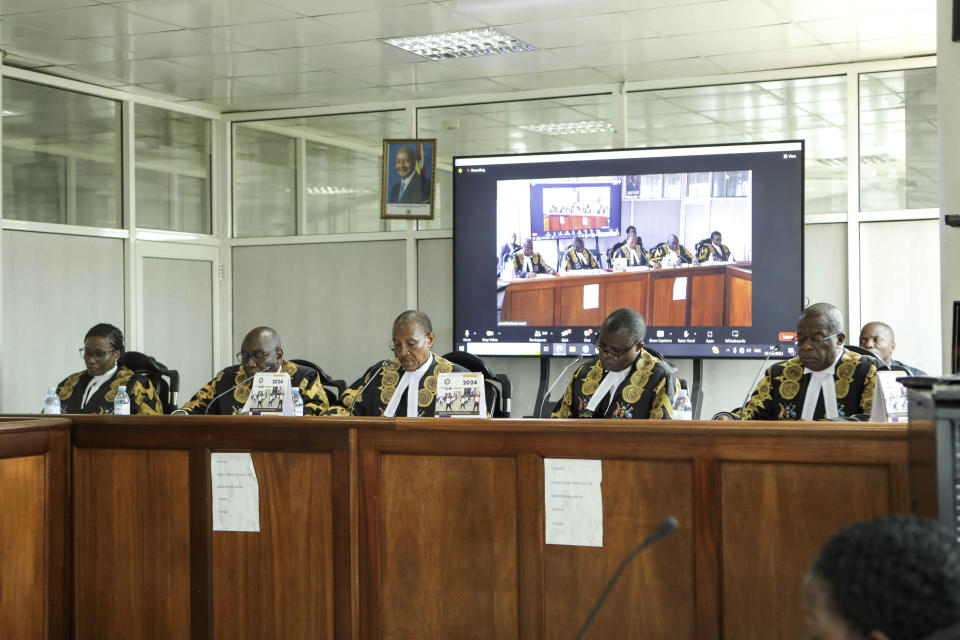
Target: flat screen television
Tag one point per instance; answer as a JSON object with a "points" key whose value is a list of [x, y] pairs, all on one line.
{"points": [[716, 268]]}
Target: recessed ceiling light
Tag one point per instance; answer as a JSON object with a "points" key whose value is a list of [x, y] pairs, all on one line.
{"points": [[460, 44], [570, 128]]}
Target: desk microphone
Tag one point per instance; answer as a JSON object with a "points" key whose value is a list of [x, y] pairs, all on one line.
{"points": [[756, 379], [555, 381], [663, 529], [218, 396], [366, 384]]}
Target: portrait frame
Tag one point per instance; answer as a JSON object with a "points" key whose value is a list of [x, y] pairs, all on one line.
{"points": [[415, 200]]}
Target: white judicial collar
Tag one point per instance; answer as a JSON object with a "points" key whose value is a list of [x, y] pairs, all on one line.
{"points": [[95, 383], [527, 263], [821, 382], [608, 386], [409, 380]]}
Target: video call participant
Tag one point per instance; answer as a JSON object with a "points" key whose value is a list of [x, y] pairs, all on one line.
{"points": [[633, 252], [878, 337], [631, 229], [625, 381], [508, 249], [824, 380], [528, 263], [94, 389], [712, 248], [577, 257], [671, 253], [890, 578], [406, 385], [259, 351], [413, 188]]}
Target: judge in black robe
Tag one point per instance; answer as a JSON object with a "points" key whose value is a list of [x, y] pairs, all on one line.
{"points": [[712, 248], [144, 398], [672, 246], [577, 257]]}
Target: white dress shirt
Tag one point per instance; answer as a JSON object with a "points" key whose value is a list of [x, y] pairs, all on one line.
{"points": [[821, 382], [95, 383], [410, 382]]}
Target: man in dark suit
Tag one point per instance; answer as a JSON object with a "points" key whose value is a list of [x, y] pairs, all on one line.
{"points": [[878, 337], [413, 187]]}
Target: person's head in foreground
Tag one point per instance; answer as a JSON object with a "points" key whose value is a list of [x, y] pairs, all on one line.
{"points": [[412, 339], [620, 339], [892, 578]]}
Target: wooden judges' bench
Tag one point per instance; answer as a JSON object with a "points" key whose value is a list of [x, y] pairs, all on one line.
{"points": [[717, 295], [422, 528]]}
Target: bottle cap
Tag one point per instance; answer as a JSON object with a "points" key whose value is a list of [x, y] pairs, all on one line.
{"points": [[123, 387]]}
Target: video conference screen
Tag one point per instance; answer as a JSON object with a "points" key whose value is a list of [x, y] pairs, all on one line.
{"points": [[705, 242]]}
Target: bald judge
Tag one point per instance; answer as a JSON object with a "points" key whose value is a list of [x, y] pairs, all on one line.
{"points": [[824, 380], [406, 385], [260, 351]]}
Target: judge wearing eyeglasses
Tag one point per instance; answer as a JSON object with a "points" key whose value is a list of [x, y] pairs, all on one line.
{"points": [[823, 381], [260, 351], [625, 381], [94, 389], [405, 385]]}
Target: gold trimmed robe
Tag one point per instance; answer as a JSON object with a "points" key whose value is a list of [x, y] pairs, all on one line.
{"points": [[314, 396], [648, 391], [624, 252], [573, 261], [377, 394], [660, 252], [539, 266], [705, 249], [144, 398], [780, 393]]}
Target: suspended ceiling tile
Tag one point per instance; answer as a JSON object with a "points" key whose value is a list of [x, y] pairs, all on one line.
{"points": [[343, 56], [709, 17], [61, 52], [505, 12], [25, 6], [312, 82], [13, 31], [806, 10], [780, 36], [82, 76], [246, 63], [194, 14], [624, 53], [886, 48], [683, 68], [898, 24], [402, 21], [548, 79], [284, 34], [90, 22], [141, 71], [327, 7], [779, 59], [168, 44], [451, 88], [206, 89], [296, 100], [585, 30], [408, 73]]}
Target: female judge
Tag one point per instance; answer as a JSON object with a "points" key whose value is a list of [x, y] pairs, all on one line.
{"points": [[94, 389]]}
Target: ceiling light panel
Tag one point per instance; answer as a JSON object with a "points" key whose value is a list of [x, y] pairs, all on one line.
{"points": [[460, 44]]}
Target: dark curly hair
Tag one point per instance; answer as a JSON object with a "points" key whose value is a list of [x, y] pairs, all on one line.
{"points": [[898, 574], [112, 334]]}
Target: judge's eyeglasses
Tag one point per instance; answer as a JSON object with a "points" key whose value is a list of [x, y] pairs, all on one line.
{"points": [[98, 354], [259, 357]]}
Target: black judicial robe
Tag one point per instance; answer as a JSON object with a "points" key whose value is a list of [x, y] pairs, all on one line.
{"points": [[377, 394], [539, 266], [307, 379], [625, 253], [144, 398], [583, 260], [705, 249], [660, 251], [780, 394], [647, 392]]}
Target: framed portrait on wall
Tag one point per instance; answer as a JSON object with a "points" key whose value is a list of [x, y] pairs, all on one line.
{"points": [[407, 186]]}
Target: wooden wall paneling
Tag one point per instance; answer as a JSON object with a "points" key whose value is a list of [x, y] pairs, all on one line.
{"points": [[707, 545], [201, 544], [279, 583], [572, 313], [449, 547], [705, 298], [664, 310], [655, 597], [623, 292], [531, 301], [738, 301], [775, 517], [530, 519], [23, 534], [132, 544], [59, 557], [371, 570]]}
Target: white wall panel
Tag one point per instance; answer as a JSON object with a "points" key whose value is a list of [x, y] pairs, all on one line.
{"points": [[435, 289], [825, 265], [333, 304], [900, 285], [55, 287]]}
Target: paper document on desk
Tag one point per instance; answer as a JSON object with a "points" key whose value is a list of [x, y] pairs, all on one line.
{"points": [[591, 296], [680, 288], [573, 502], [235, 492]]}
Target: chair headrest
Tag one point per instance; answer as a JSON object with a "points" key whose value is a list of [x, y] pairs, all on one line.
{"points": [[470, 362], [138, 361]]}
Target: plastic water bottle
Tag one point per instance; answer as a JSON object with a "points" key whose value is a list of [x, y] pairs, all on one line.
{"points": [[297, 402], [51, 403], [682, 408], [121, 403]]}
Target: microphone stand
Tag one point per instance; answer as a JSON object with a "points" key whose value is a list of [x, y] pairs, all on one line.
{"points": [[353, 405], [220, 395], [555, 381]]}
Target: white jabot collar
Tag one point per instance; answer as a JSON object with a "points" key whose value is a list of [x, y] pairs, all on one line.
{"points": [[409, 380], [608, 387], [821, 382], [95, 383]]}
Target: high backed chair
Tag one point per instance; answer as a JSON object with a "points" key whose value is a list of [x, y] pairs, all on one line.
{"points": [[497, 386], [328, 381], [166, 381]]}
